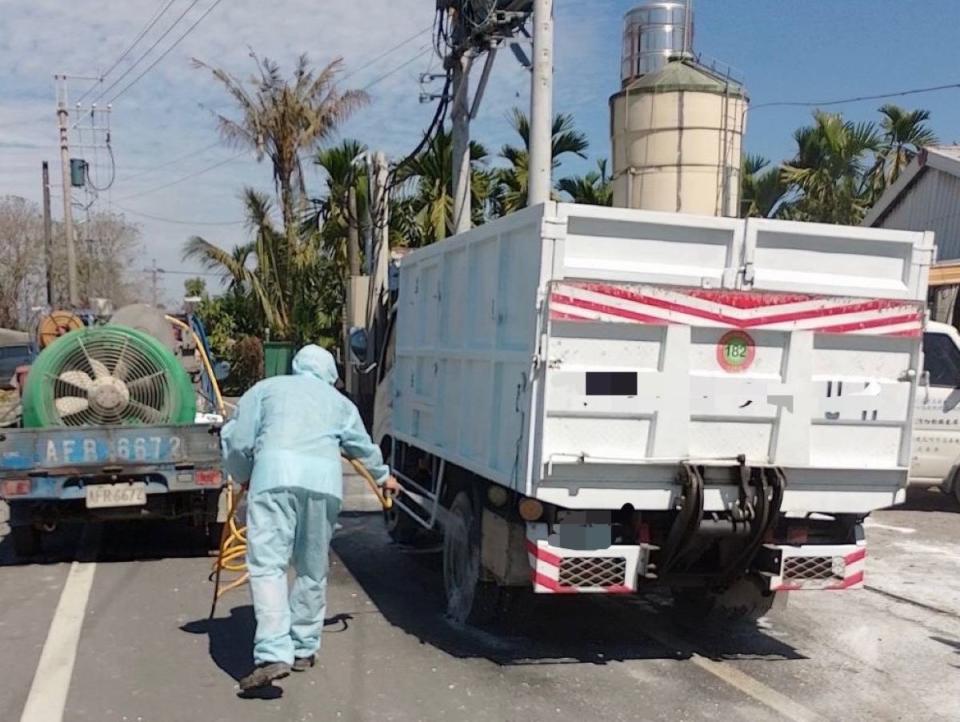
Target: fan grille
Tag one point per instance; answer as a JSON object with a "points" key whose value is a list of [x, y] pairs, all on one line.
{"points": [[108, 376]]}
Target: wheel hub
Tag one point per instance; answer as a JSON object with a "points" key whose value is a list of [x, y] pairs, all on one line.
{"points": [[108, 395]]}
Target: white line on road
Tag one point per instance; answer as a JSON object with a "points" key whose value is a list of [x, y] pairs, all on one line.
{"points": [[51, 681], [870, 524], [751, 686]]}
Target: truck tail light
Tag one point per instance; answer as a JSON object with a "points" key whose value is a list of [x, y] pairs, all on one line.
{"points": [[530, 509], [208, 477], [16, 487]]}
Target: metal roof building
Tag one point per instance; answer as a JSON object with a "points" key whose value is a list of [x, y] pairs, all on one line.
{"points": [[926, 197]]}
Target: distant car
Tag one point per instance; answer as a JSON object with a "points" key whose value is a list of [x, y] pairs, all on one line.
{"points": [[936, 421], [11, 358]]}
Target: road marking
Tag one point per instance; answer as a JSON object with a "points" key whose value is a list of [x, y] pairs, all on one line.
{"points": [[51, 682], [756, 689], [741, 680], [870, 524]]}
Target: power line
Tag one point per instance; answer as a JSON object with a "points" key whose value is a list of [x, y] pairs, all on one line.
{"points": [[857, 99], [423, 51], [148, 51], [185, 156], [180, 221], [126, 52], [167, 51], [385, 53], [184, 178]]}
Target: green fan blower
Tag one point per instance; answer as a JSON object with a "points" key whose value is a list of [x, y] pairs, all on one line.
{"points": [[107, 376]]}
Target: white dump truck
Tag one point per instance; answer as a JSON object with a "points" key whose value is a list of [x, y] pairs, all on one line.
{"points": [[603, 400]]}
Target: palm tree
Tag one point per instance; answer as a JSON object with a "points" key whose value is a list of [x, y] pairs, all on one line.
{"points": [[342, 208], [594, 188], [258, 268], [429, 180], [515, 178], [904, 135], [828, 174], [279, 119], [761, 187]]}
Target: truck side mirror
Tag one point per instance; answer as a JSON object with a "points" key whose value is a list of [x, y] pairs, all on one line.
{"points": [[359, 346], [221, 370]]}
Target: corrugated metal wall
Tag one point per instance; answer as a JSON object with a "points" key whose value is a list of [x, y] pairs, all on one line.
{"points": [[932, 204]]}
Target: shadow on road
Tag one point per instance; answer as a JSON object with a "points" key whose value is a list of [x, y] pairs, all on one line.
{"points": [[928, 499], [231, 641], [406, 586], [113, 541]]}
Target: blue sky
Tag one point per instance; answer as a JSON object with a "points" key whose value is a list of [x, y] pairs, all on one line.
{"points": [[785, 51]]}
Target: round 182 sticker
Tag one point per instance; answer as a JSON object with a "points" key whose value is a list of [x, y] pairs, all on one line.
{"points": [[736, 351]]}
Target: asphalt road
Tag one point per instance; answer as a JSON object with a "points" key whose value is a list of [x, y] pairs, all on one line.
{"points": [[112, 625]]}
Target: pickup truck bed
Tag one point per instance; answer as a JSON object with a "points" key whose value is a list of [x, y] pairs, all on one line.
{"points": [[76, 473]]}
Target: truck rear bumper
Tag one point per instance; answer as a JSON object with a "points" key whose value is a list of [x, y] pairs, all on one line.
{"points": [[815, 566], [562, 570]]}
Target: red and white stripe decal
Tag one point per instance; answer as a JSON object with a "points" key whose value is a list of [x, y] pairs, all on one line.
{"points": [[545, 570], [654, 305], [853, 576]]}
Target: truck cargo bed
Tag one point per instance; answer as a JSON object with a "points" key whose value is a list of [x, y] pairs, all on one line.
{"points": [[581, 354]]}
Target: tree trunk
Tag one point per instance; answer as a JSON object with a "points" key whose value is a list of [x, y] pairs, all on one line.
{"points": [[353, 234]]}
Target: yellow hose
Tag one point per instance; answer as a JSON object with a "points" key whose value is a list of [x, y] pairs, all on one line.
{"points": [[206, 362], [233, 539]]}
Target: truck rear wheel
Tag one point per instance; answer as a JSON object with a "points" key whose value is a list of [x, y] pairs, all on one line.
{"points": [[470, 599], [400, 526], [26, 541]]}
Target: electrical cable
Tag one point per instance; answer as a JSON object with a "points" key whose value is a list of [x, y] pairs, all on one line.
{"points": [[856, 99], [125, 53], [398, 68], [179, 221], [167, 51], [184, 178], [113, 170], [385, 53], [180, 159], [438, 119], [147, 52]]}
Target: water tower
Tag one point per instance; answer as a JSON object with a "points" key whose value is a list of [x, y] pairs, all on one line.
{"points": [[676, 124]]}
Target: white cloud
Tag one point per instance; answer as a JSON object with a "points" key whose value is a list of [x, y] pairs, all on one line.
{"points": [[161, 118]]}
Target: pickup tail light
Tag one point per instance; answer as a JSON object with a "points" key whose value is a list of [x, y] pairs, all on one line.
{"points": [[16, 487], [208, 477]]}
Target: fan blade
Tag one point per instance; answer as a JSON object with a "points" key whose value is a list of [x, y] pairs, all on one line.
{"points": [[67, 405], [100, 370], [147, 414], [79, 379], [120, 368], [144, 381]]}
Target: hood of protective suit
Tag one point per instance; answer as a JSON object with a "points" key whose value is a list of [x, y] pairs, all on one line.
{"points": [[317, 362]]}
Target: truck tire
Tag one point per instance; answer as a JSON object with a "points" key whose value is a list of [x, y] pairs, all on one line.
{"points": [[26, 541], [213, 533], [400, 526], [470, 599], [743, 601]]}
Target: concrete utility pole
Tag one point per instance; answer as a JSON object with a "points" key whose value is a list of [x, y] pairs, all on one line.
{"points": [[47, 233], [541, 105], [63, 117], [461, 142]]}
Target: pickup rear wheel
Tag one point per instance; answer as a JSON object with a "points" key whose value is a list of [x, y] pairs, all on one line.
{"points": [[26, 541], [470, 600]]}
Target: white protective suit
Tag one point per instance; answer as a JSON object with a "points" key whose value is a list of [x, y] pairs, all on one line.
{"points": [[286, 437]]}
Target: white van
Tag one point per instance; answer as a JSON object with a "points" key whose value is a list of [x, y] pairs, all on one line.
{"points": [[936, 423]]}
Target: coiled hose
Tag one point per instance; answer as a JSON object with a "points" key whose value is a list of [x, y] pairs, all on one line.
{"points": [[233, 539]]}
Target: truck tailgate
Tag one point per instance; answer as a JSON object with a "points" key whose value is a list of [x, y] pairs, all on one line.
{"points": [[63, 451]]}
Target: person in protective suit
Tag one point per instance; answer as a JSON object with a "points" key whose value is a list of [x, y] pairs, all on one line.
{"points": [[285, 438]]}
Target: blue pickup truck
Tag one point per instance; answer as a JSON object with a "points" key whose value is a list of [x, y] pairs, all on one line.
{"points": [[48, 476]]}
